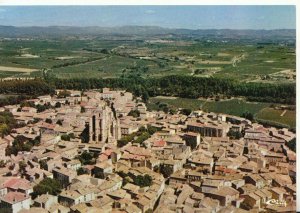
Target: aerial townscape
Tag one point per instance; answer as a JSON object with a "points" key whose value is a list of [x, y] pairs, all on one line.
{"points": [[103, 151], [148, 109]]}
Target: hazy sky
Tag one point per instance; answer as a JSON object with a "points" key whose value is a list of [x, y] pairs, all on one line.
{"points": [[192, 17]]}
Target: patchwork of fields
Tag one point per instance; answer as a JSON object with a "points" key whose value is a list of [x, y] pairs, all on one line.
{"points": [[233, 107], [103, 58], [98, 58]]}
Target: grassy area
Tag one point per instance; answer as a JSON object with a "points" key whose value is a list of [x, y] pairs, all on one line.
{"points": [[193, 104], [270, 114], [183, 57], [234, 107]]}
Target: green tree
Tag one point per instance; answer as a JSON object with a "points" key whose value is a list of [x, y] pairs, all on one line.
{"points": [[47, 185], [7, 123], [186, 111], [36, 141], [134, 113], [151, 129], [126, 139], [143, 181], [20, 143], [2, 163], [145, 96], [42, 108], [234, 134], [248, 115], [121, 142], [292, 144], [22, 166], [185, 86], [172, 111], [165, 109], [166, 171], [57, 105], [142, 137], [87, 158], [48, 120], [65, 137], [64, 94], [43, 164], [27, 104], [59, 122], [32, 87], [71, 135], [4, 129], [81, 171]]}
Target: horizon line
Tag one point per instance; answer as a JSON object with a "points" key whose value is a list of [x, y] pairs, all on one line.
{"points": [[119, 26]]}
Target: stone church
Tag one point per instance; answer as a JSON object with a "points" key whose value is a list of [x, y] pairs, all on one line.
{"points": [[104, 126]]}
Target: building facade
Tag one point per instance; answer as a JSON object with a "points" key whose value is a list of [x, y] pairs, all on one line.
{"points": [[104, 126]]}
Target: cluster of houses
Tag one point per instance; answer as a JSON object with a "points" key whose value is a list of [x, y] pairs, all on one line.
{"points": [[193, 164]]}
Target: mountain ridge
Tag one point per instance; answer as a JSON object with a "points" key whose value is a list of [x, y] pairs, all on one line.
{"points": [[274, 35]]}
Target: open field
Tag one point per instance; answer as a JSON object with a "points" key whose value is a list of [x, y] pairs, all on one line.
{"points": [[241, 58], [233, 107], [270, 114], [16, 69], [193, 104], [103, 58]]}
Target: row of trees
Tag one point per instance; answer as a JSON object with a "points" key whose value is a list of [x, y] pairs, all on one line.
{"points": [[174, 85], [187, 87], [72, 63], [137, 137], [33, 87], [12, 100]]}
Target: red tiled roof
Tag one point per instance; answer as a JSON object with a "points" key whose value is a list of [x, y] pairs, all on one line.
{"points": [[48, 126], [226, 170], [132, 156], [160, 143], [17, 183], [14, 197]]}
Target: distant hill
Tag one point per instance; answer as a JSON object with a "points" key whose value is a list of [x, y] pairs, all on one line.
{"points": [[279, 34]]}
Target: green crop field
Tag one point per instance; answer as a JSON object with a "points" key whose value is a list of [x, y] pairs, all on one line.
{"points": [[233, 107], [270, 114], [245, 58], [193, 104], [85, 58]]}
